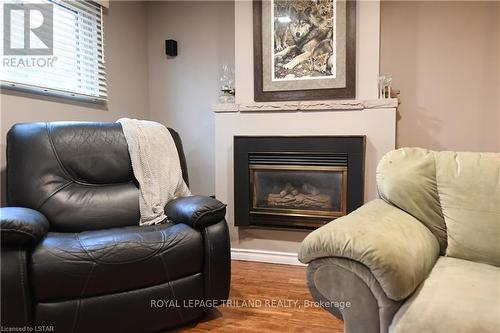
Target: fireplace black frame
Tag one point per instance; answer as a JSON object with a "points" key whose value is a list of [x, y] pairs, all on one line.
{"points": [[243, 146]]}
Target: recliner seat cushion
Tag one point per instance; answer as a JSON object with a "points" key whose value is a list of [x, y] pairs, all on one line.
{"points": [[458, 296], [92, 263]]}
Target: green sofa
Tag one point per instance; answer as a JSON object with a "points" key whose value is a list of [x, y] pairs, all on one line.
{"points": [[424, 257]]}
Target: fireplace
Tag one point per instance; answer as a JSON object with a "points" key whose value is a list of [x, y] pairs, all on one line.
{"points": [[297, 182], [292, 189]]}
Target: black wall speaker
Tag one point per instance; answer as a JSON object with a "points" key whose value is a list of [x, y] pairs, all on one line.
{"points": [[171, 47]]}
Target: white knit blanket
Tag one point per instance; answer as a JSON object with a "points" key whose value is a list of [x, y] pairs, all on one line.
{"points": [[156, 166]]}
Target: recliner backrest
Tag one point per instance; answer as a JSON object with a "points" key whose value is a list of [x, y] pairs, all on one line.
{"points": [[456, 195], [78, 174]]}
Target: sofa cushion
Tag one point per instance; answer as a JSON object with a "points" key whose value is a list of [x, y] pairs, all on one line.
{"points": [[469, 191], [458, 296], [92, 263], [406, 178]]}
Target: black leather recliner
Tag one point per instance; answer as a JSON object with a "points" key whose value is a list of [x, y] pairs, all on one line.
{"points": [[74, 257]]}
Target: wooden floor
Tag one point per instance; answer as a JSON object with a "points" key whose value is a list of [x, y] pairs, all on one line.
{"points": [[273, 289]]}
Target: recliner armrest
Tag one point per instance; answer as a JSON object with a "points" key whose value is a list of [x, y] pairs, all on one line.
{"points": [[197, 211], [22, 226], [397, 248]]}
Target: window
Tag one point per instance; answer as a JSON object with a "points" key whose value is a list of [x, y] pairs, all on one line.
{"points": [[60, 54]]}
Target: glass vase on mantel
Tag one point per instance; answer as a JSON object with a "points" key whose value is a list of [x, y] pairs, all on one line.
{"points": [[226, 84], [384, 86]]}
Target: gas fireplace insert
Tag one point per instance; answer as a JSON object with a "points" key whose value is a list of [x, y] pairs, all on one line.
{"points": [[297, 182]]}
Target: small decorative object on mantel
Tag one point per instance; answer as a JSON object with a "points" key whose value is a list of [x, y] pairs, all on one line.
{"points": [[226, 81], [384, 86], [304, 50]]}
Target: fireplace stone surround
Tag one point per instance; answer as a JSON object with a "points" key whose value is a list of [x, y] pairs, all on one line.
{"points": [[374, 119]]}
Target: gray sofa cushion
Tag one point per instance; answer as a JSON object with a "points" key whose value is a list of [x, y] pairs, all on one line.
{"points": [[458, 296]]}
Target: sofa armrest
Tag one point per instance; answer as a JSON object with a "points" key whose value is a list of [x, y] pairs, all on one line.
{"points": [[397, 248], [334, 282], [197, 211], [22, 226]]}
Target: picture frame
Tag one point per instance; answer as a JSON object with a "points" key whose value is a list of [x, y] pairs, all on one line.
{"points": [[304, 49]]}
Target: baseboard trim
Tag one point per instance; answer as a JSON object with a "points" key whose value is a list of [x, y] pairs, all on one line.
{"points": [[273, 257]]}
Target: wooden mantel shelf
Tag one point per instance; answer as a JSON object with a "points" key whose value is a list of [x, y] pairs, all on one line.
{"points": [[309, 106]]}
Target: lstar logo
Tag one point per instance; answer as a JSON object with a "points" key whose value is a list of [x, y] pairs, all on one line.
{"points": [[37, 29]]}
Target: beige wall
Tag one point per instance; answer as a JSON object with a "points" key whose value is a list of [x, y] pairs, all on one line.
{"points": [[445, 58], [126, 65], [182, 90]]}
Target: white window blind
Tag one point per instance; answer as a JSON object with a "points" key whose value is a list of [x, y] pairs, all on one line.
{"points": [[75, 68]]}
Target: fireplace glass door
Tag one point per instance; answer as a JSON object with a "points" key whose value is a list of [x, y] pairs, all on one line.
{"points": [[298, 190]]}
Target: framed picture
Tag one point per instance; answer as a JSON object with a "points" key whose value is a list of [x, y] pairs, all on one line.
{"points": [[304, 49]]}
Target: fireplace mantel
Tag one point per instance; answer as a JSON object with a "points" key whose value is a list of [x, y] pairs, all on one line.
{"points": [[373, 119], [304, 106]]}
